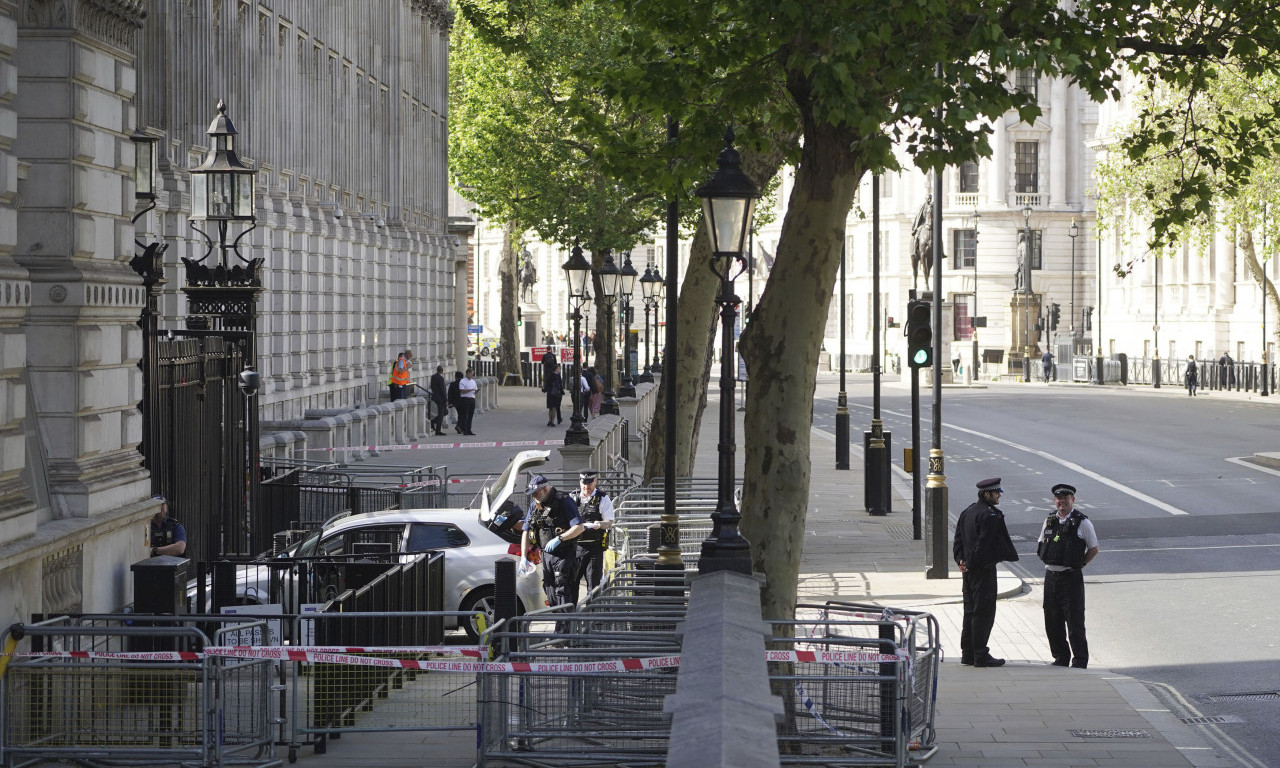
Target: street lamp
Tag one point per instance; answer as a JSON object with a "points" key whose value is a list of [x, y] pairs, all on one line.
{"points": [[222, 298], [627, 285], [577, 271], [973, 316], [728, 201], [649, 292], [149, 264], [1026, 294], [610, 282], [1074, 232]]}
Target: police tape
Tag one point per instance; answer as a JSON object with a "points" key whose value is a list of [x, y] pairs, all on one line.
{"points": [[439, 446], [350, 656]]}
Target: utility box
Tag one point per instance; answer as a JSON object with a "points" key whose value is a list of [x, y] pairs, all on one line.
{"points": [[160, 585]]}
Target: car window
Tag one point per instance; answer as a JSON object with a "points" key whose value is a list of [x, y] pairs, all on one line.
{"points": [[424, 537], [369, 540]]}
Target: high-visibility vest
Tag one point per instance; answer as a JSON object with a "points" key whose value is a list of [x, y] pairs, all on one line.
{"points": [[400, 371]]}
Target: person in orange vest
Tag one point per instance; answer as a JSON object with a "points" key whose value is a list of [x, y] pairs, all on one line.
{"points": [[399, 382]]}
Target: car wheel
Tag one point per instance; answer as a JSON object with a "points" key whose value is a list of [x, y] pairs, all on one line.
{"points": [[482, 601], [479, 601]]}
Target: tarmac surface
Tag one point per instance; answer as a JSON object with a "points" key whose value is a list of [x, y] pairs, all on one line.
{"points": [[1026, 713]]}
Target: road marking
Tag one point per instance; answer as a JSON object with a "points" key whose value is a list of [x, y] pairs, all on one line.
{"points": [[1139, 495], [1244, 462]]}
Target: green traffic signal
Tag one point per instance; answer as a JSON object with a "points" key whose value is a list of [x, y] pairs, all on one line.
{"points": [[921, 358]]}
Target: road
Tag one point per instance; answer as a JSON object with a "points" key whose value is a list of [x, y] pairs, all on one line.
{"points": [[1184, 592]]}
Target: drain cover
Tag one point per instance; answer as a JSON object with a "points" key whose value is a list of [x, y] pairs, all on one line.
{"points": [[900, 531], [1256, 696], [1109, 733], [1210, 720]]}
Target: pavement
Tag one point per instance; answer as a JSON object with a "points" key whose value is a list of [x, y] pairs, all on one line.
{"points": [[1022, 714]]}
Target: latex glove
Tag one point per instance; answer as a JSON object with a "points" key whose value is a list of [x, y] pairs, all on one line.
{"points": [[551, 545]]}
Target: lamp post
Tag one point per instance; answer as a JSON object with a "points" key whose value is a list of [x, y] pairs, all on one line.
{"points": [[1155, 325], [659, 311], [842, 398], [1026, 295], [1099, 374], [648, 291], [973, 322], [728, 201], [610, 282], [222, 298], [626, 285], [577, 271], [149, 264]]}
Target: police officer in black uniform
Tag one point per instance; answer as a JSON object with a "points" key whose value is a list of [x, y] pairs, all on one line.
{"points": [[1067, 544], [166, 535], [554, 522], [981, 541], [596, 510]]}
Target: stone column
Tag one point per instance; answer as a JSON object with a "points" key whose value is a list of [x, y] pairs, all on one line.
{"points": [[16, 501], [75, 241]]}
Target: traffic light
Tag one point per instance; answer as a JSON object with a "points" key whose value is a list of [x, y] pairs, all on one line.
{"points": [[919, 334], [519, 316], [1055, 312]]}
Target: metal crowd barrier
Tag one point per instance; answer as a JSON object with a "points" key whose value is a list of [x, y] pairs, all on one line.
{"points": [[152, 706], [334, 698], [915, 633], [603, 704]]}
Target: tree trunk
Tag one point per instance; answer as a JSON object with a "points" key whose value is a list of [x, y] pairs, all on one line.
{"points": [[689, 367], [781, 347], [508, 271], [1259, 276]]}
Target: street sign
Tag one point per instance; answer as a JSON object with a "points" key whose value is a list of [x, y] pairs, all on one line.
{"points": [[536, 353], [566, 354], [475, 329]]}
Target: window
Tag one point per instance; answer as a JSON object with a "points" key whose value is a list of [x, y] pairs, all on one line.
{"points": [[1027, 81], [1027, 166], [424, 537], [962, 315], [362, 541], [969, 177], [1037, 249], [964, 245]]}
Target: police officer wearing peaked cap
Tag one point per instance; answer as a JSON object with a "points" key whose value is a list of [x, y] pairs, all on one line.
{"points": [[981, 541], [596, 509], [1067, 544], [553, 521]]}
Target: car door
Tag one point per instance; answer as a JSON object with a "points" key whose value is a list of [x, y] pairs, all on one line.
{"points": [[375, 541], [464, 568]]}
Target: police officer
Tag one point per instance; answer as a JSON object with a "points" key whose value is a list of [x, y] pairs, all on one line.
{"points": [[1067, 544], [981, 541], [554, 522], [596, 510], [166, 535]]}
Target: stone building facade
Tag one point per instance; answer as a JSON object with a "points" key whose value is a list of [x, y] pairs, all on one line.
{"points": [[343, 110]]}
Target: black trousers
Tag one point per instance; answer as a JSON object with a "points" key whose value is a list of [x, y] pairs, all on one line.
{"points": [[1064, 616], [560, 576], [437, 421], [591, 564], [466, 412], [979, 590]]}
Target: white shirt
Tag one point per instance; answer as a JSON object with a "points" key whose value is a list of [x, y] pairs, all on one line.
{"points": [[467, 387]]}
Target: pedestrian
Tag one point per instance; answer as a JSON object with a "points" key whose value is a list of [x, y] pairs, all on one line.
{"points": [[455, 401], [582, 399], [1226, 371], [165, 535], [1067, 544], [553, 386], [440, 399], [981, 541], [1191, 377], [596, 510], [1046, 362], [548, 358], [552, 523], [399, 381], [467, 388], [596, 384]]}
